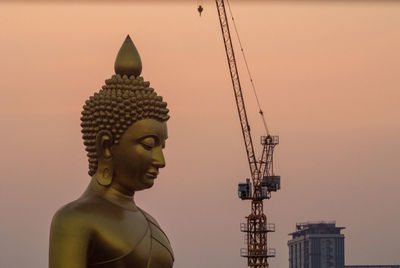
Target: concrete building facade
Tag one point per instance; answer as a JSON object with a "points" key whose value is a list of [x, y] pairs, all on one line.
{"points": [[316, 245]]}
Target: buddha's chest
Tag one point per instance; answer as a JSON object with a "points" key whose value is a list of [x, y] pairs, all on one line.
{"points": [[129, 240], [116, 235]]}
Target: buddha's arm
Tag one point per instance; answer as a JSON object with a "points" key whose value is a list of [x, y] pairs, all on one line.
{"points": [[69, 240]]}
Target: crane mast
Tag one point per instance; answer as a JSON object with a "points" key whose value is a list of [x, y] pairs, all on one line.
{"points": [[262, 177]]}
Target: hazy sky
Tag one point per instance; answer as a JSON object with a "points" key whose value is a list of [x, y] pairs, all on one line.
{"points": [[328, 80]]}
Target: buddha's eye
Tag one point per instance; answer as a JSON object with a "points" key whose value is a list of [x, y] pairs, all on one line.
{"points": [[148, 143]]}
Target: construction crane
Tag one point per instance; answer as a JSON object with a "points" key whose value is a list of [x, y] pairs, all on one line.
{"points": [[263, 180]]}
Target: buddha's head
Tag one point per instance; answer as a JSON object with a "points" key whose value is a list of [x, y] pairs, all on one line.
{"points": [[124, 127]]}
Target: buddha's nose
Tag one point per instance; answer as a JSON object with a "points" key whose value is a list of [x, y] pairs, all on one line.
{"points": [[158, 157]]}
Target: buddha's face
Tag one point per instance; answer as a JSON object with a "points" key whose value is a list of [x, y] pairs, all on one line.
{"points": [[139, 155]]}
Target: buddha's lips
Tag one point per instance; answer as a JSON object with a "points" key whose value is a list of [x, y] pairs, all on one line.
{"points": [[151, 175]]}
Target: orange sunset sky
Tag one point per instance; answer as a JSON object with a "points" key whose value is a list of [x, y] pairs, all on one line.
{"points": [[327, 74]]}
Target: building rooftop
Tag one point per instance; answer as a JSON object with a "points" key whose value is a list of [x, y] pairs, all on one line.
{"points": [[320, 227]]}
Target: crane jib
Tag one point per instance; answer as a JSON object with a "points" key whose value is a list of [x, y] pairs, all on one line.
{"points": [[237, 88]]}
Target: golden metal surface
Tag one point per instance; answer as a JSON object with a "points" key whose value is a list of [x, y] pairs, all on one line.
{"points": [[128, 60], [104, 228]]}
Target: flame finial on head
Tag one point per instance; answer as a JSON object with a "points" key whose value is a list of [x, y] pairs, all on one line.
{"points": [[128, 60]]}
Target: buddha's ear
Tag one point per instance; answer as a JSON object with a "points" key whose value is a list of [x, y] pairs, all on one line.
{"points": [[104, 141], [104, 172]]}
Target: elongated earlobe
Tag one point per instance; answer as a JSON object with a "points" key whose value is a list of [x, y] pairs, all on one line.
{"points": [[105, 170], [104, 174]]}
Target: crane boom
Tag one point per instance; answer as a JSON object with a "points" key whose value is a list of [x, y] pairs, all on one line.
{"points": [[230, 54], [263, 179]]}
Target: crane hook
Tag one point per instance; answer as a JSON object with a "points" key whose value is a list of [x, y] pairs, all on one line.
{"points": [[200, 9]]}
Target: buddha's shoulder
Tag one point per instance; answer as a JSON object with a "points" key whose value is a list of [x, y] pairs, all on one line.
{"points": [[81, 212], [149, 217]]}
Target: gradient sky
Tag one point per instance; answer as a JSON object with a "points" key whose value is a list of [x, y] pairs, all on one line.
{"points": [[328, 79]]}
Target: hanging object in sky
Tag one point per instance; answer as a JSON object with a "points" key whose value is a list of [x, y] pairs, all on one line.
{"points": [[200, 9]]}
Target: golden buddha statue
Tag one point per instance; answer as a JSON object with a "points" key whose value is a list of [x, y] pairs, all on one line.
{"points": [[124, 131]]}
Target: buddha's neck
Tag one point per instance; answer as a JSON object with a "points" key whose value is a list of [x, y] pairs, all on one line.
{"points": [[111, 194]]}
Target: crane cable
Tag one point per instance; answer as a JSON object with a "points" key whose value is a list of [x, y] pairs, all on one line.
{"points": [[248, 70]]}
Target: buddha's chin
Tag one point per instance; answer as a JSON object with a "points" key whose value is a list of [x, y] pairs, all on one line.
{"points": [[148, 183]]}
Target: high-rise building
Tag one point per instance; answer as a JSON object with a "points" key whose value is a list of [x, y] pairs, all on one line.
{"points": [[316, 245]]}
